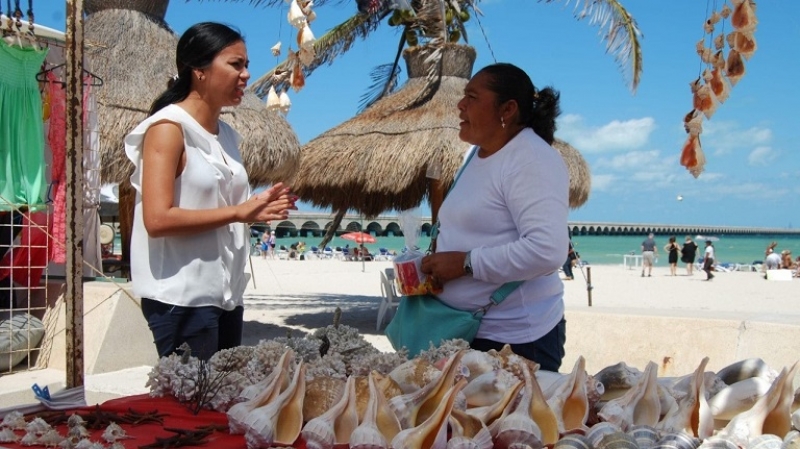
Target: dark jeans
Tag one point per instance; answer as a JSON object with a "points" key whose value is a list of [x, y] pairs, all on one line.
{"points": [[205, 329], [568, 268], [547, 351], [707, 263]]}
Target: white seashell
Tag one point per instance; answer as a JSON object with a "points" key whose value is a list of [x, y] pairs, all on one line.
{"points": [[311, 16], [75, 420], [77, 433], [379, 425], [305, 37], [645, 436], [295, 16], [276, 49], [7, 435], [29, 439], [767, 441], [618, 440], [618, 377], [413, 408], [114, 432], [281, 420], [307, 55], [431, 433], [414, 374], [51, 438], [14, 420], [792, 440], [638, 406], [779, 418], [570, 402], [479, 362], [693, 414], [335, 425], [738, 397], [489, 387], [273, 102], [37, 426], [600, 430], [87, 444], [265, 392], [285, 102]]}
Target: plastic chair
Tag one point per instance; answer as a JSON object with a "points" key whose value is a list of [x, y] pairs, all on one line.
{"points": [[389, 299]]}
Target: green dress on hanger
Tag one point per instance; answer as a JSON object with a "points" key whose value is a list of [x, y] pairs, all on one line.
{"points": [[22, 162]]}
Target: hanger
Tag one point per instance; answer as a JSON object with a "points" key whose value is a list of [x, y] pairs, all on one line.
{"points": [[41, 76]]}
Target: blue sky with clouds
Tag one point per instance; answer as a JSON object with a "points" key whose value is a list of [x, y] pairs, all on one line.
{"points": [[632, 141]]}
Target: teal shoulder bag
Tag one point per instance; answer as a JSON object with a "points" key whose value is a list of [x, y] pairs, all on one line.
{"points": [[422, 320]]}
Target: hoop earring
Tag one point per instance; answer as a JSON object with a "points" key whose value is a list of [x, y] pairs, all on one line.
{"points": [[502, 122]]}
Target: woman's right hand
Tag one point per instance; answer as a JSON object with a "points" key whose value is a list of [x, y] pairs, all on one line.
{"points": [[271, 204]]}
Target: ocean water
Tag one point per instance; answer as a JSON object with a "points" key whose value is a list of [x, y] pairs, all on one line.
{"points": [[609, 250]]}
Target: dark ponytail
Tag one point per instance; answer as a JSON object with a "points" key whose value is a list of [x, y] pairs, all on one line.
{"points": [[197, 48], [538, 109]]}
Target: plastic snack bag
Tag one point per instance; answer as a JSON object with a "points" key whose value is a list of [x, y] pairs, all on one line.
{"points": [[408, 266]]}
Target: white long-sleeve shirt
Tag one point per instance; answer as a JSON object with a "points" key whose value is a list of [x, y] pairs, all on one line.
{"points": [[510, 209], [203, 269]]}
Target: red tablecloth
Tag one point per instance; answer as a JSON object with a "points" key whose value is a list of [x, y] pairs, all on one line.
{"points": [[177, 416]]}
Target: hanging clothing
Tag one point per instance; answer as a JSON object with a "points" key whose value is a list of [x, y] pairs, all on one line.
{"points": [[22, 167]]}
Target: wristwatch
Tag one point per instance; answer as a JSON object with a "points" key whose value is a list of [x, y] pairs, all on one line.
{"points": [[468, 263]]}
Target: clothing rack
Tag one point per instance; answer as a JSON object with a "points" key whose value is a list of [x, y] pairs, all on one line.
{"points": [[41, 76]]}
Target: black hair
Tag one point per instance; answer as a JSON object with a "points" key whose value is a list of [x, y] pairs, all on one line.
{"points": [[538, 109], [197, 48]]}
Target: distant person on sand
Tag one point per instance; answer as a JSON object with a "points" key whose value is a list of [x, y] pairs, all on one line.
{"points": [[688, 254], [571, 257], [193, 199], [649, 252], [772, 261], [708, 260], [672, 249]]}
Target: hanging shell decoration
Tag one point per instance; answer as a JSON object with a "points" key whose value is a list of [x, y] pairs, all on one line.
{"points": [[721, 72], [300, 15]]}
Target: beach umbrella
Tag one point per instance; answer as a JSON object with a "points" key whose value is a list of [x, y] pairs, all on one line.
{"points": [[359, 237], [131, 48]]}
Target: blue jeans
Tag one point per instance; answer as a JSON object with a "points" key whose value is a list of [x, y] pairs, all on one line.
{"points": [[567, 268], [547, 351], [205, 329]]}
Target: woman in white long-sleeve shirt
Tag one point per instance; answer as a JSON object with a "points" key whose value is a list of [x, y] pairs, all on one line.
{"points": [[506, 217]]}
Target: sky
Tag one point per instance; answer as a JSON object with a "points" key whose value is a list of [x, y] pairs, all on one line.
{"points": [[631, 140]]}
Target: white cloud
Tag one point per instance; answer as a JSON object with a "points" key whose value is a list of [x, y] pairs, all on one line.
{"points": [[614, 136], [603, 183], [725, 137], [762, 156], [635, 160]]}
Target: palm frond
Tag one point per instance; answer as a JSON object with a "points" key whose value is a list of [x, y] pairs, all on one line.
{"points": [[328, 47], [384, 82], [619, 31]]}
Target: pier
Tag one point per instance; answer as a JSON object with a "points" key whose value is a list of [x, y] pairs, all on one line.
{"points": [[315, 224]]}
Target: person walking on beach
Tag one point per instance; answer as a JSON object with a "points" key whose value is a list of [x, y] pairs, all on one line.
{"points": [[193, 199], [708, 260], [649, 252], [271, 245], [688, 253], [672, 249], [512, 174], [264, 245], [567, 268]]}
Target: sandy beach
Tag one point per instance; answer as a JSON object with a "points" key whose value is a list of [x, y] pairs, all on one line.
{"points": [[734, 316]]}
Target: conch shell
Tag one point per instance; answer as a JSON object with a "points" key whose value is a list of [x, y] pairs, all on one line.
{"points": [[280, 421], [570, 402], [639, 406], [335, 425], [379, 425], [271, 387], [431, 433], [693, 414]]}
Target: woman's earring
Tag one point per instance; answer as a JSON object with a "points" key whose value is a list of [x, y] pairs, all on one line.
{"points": [[502, 122]]}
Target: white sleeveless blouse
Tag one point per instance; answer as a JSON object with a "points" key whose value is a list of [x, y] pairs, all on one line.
{"points": [[203, 269]]}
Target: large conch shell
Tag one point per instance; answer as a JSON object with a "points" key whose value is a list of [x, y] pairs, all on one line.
{"points": [[468, 432], [280, 421], [489, 387], [322, 393], [570, 403], [431, 433], [639, 406], [540, 411], [379, 425], [413, 408], [693, 414], [770, 414], [335, 425], [747, 368], [270, 388], [414, 374], [738, 397], [619, 378], [517, 428], [479, 362]]}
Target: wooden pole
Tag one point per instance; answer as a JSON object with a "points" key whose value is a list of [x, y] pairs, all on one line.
{"points": [[589, 284], [73, 296]]}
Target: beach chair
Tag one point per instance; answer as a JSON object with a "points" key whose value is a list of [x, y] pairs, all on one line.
{"points": [[383, 254], [327, 252], [389, 299]]}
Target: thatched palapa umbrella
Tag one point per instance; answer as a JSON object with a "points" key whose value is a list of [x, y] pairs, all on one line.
{"points": [[379, 160], [130, 46]]}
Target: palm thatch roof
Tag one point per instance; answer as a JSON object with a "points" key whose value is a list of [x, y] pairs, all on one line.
{"points": [[379, 160], [133, 51]]}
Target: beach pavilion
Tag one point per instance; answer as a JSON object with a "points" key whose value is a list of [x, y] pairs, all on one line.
{"points": [[404, 148]]}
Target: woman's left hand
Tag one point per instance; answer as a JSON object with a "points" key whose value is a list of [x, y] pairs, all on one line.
{"points": [[444, 266]]}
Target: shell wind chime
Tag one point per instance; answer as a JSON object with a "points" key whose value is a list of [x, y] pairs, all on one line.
{"points": [[300, 15], [722, 71]]}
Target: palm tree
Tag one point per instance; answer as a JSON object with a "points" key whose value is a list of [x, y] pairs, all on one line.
{"points": [[436, 22]]}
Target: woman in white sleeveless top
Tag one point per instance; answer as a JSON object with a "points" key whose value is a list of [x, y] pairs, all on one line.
{"points": [[193, 199]]}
